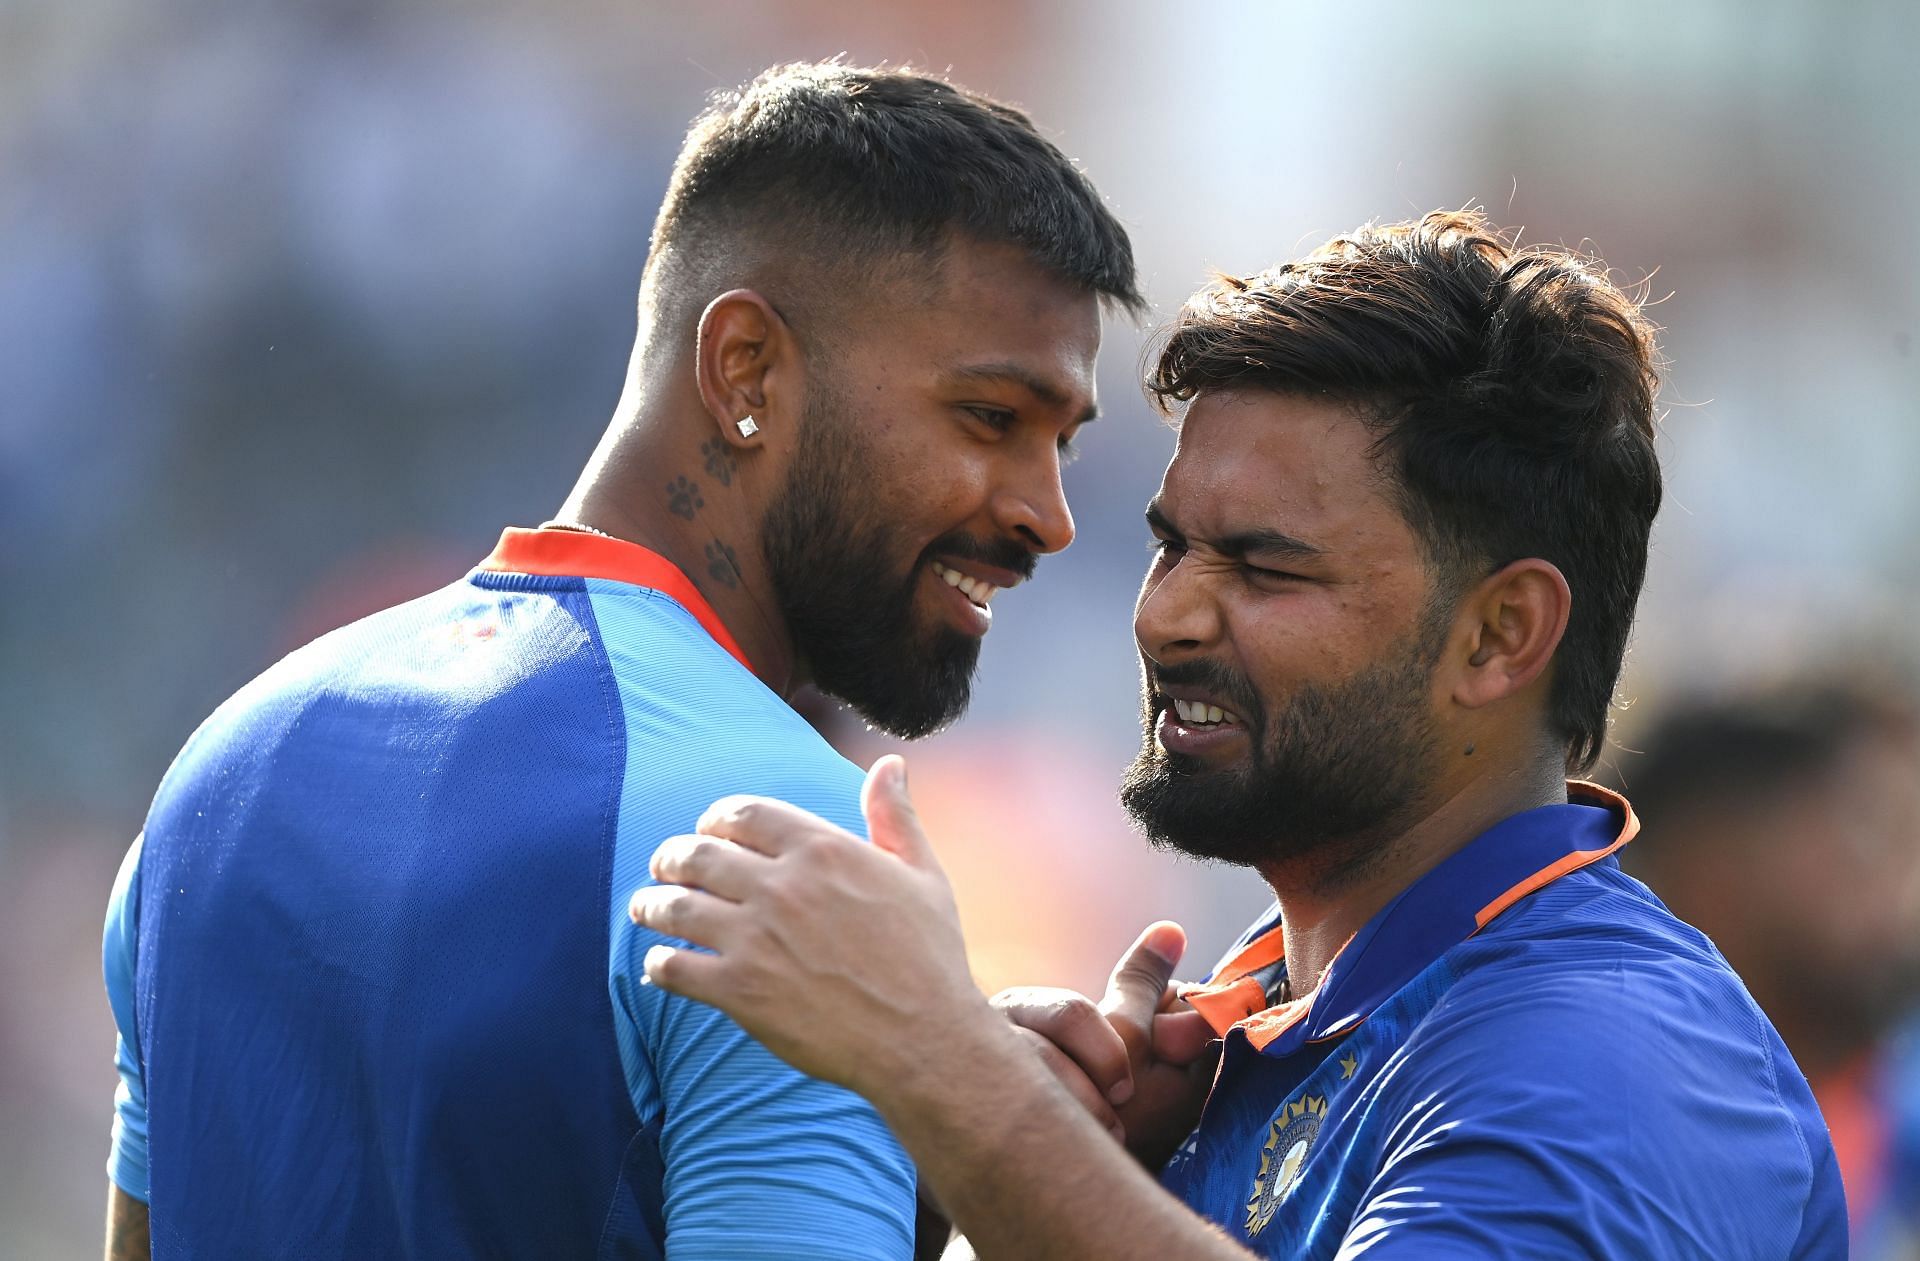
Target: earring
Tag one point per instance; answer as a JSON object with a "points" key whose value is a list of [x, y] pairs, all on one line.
{"points": [[747, 426]]}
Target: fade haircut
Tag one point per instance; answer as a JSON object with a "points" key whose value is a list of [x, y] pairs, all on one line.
{"points": [[1511, 392], [854, 175]]}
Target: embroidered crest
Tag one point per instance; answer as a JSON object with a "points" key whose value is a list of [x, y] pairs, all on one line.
{"points": [[1289, 1139]]}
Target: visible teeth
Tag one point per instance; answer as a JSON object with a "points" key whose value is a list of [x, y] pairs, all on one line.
{"points": [[1201, 713], [974, 589]]}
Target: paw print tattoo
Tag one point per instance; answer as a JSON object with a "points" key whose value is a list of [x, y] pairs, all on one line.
{"points": [[683, 497], [723, 565], [720, 460]]}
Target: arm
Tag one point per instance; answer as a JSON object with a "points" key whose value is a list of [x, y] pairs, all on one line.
{"points": [[847, 961], [758, 1160], [127, 1236], [126, 1227]]}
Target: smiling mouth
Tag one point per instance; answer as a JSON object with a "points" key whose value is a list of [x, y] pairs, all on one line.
{"points": [[973, 588], [1199, 714]]}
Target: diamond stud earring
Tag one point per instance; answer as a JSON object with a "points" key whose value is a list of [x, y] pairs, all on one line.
{"points": [[747, 426]]}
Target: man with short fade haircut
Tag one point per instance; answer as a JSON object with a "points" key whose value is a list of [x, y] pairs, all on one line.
{"points": [[376, 990], [1398, 551]]}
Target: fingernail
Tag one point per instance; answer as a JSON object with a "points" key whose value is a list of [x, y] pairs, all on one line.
{"points": [[1121, 1092]]}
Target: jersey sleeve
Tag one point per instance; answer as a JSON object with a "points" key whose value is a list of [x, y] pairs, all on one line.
{"points": [[758, 1159], [127, 1160], [761, 1160], [1582, 1118]]}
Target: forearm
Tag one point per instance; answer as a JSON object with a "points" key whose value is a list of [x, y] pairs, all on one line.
{"points": [[126, 1227], [1025, 1171]]}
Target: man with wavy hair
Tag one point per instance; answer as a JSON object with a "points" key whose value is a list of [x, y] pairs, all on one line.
{"points": [[1399, 548]]}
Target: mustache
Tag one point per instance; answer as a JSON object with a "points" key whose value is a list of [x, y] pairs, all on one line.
{"points": [[1001, 553], [1212, 677]]}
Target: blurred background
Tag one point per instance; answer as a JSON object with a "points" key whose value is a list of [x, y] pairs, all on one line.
{"points": [[299, 305]]}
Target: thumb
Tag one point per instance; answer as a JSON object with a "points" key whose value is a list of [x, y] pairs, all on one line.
{"points": [[1139, 981], [892, 824]]}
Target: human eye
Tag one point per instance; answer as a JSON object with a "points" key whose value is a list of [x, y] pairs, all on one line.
{"points": [[998, 419], [1165, 549], [1069, 451], [1270, 578]]}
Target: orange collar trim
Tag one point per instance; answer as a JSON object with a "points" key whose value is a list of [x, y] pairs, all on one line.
{"points": [[1236, 996], [575, 554], [1579, 792]]}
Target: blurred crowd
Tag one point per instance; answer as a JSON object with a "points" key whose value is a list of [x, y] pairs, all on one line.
{"points": [[300, 304]]}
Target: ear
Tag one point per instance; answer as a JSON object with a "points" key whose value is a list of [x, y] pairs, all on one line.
{"points": [[744, 357], [1514, 620]]}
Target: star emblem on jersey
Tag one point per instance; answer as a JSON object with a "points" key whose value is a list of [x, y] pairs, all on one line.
{"points": [[1289, 1138]]}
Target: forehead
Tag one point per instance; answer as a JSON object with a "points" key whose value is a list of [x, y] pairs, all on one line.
{"points": [[988, 304], [1251, 460]]}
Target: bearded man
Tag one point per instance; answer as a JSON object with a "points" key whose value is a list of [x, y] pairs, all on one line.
{"points": [[1398, 551], [376, 990]]}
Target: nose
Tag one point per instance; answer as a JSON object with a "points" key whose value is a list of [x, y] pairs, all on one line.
{"points": [[1175, 616], [1034, 507]]}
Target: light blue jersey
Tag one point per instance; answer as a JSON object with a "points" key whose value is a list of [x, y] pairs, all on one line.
{"points": [[376, 987]]}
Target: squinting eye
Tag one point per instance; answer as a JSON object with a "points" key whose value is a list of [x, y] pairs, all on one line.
{"points": [[1068, 451], [1165, 549], [997, 419]]}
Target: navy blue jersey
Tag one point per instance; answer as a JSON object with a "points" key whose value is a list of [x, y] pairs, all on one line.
{"points": [[1523, 1055], [377, 992]]}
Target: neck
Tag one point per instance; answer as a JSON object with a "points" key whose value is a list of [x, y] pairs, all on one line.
{"points": [[665, 483], [1326, 898]]}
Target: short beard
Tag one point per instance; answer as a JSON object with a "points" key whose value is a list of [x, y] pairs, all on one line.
{"points": [[829, 549], [1333, 776]]}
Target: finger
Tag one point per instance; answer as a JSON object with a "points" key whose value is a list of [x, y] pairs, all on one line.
{"points": [[687, 914], [1181, 1037], [1140, 979], [719, 867], [1072, 1024], [1170, 998], [763, 824], [686, 972], [892, 823], [1068, 1074]]}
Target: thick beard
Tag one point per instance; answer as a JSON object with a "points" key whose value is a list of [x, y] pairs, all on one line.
{"points": [[830, 550], [1332, 777]]}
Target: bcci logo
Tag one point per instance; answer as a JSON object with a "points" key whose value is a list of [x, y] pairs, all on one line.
{"points": [[1289, 1139]]}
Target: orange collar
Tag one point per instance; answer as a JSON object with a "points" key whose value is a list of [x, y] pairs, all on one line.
{"points": [[1449, 904], [574, 554]]}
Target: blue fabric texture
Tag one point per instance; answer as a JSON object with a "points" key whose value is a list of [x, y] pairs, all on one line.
{"points": [[375, 986], [1584, 1077]]}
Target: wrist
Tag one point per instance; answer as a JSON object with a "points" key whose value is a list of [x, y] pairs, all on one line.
{"points": [[949, 1075]]}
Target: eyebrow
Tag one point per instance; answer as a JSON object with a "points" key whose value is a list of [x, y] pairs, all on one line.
{"points": [[1007, 373], [1241, 543]]}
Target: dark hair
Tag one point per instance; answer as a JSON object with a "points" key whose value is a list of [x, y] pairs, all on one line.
{"points": [[856, 165], [1512, 394]]}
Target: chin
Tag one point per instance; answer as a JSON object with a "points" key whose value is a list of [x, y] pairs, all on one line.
{"points": [[912, 692]]}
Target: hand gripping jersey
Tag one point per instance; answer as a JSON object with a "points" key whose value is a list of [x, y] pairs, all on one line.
{"points": [[1523, 1055], [377, 992]]}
